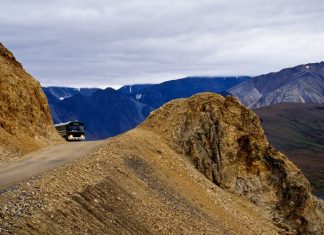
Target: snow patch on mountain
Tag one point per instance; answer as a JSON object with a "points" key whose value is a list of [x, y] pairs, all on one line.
{"points": [[138, 96]]}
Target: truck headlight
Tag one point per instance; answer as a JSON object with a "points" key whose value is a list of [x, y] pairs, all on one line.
{"points": [[82, 136], [70, 136]]}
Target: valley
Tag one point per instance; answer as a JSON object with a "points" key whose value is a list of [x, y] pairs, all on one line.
{"points": [[298, 131]]}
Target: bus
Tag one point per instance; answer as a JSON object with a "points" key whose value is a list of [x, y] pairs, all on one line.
{"points": [[73, 130]]}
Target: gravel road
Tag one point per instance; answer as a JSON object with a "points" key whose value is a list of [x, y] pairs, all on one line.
{"points": [[44, 160]]}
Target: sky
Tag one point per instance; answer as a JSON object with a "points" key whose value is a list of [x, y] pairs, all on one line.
{"points": [[101, 43]]}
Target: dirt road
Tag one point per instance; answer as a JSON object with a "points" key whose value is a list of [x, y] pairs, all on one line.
{"points": [[45, 159]]}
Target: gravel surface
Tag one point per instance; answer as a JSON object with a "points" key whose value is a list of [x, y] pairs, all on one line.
{"points": [[134, 184]]}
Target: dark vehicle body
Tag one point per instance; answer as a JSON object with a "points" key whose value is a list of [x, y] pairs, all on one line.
{"points": [[70, 131]]}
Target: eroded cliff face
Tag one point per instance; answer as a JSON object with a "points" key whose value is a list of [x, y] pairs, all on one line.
{"points": [[25, 120], [226, 143]]}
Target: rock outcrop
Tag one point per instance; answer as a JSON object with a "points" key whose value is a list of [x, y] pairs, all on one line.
{"points": [[25, 120], [226, 143]]}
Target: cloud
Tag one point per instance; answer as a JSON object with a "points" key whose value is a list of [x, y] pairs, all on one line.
{"points": [[111, 43]]}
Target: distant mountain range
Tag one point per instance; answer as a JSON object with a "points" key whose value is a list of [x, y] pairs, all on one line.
{"points": [[62, 93], [110, 112], [133, 89], [300, 84], [159, 94]]}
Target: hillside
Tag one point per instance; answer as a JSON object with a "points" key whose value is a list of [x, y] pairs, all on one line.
{"points": [[300, 84], [298, 131], [146, 181], [25, 120]]}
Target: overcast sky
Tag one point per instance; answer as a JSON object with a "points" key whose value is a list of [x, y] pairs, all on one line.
{"points": [[96, 43]]}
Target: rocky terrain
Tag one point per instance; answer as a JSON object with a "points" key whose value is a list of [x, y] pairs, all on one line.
{"points": [[298, 131], [135, 184], [300, 84], [200, 165], [226, 143], [25, 119], [146, 181]]}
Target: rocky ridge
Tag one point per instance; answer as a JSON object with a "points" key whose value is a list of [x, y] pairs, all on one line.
{"points": [[226, 143], [134, 184], [25, 120]]}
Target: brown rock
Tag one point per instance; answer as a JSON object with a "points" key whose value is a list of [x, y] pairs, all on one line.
{"points": [[25, 120], [225, 141]]}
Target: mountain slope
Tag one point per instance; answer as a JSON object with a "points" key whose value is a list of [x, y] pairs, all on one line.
{"points": [[133, 89], [298, 131], [25, 120], [61, 93], [159, 94], [300, 84]]}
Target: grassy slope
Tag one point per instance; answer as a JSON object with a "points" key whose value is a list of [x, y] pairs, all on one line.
{"points": [[298, 131]]}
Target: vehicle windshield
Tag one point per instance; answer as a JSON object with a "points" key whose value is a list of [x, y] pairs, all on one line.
{"points": [[76, 128]]}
